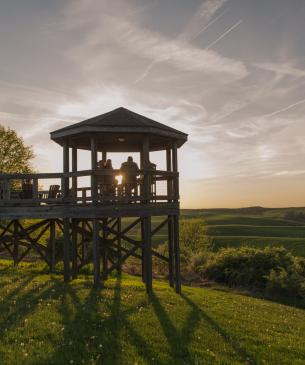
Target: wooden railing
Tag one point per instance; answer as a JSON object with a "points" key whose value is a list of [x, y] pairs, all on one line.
{"points": [[99, 189]]}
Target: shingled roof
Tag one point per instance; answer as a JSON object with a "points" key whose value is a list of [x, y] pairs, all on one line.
{"points": [[120, 121]]}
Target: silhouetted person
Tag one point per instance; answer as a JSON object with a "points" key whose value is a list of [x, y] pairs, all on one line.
{"points": [[129, 170], [101, 178], [152, 178], [109, 179], [107, 183]]}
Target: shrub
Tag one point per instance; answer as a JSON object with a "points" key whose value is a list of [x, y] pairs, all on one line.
{"points": [[284, 283], [269, 269]]}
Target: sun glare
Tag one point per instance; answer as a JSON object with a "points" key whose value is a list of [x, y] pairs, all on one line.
{"points": [[119, 179]]}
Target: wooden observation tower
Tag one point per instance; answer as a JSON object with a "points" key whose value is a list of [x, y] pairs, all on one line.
{"points": [[96, 225]]}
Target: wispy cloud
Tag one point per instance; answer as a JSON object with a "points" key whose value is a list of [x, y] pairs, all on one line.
{"points": [[205, 27], [293, 105], [196, 25], [223, 35], [283, 69], [201, 19]]}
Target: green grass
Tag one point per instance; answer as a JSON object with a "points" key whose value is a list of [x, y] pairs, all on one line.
{"points": [[45, 321]]}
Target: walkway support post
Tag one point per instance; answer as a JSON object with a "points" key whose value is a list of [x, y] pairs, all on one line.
{"points": [[176, 220]]}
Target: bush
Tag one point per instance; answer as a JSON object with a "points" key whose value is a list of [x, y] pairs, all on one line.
{"points": [[271, 270], [283, 283]]}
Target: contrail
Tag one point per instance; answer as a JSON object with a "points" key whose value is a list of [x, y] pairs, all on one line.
{"points": [[284, 109], [145, 72], [224, 34], [208, 25]]}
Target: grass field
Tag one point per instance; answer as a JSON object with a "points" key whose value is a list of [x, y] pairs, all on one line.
{"points": [[256, 227], [45, 321]]}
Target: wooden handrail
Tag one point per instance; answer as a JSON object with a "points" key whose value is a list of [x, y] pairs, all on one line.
{"points": [[83, 173]]}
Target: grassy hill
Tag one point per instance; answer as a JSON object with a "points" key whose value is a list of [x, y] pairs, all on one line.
{"points": [[45, 321]]}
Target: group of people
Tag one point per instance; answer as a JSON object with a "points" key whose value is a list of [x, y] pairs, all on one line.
{"points": [[129, 171]]}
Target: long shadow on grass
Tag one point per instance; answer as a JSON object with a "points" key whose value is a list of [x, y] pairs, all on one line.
{"points": [[244, 355], [91, 327], [178, 342]]}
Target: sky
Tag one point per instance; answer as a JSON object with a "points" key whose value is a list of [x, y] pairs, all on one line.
{"points": [[229, 73]]}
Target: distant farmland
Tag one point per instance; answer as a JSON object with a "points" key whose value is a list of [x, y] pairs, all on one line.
{"points": [[256, 227]]}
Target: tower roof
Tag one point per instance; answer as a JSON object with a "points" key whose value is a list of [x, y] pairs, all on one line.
{"points": [[119, 130]]}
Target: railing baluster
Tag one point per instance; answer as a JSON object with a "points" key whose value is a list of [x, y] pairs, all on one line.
{"points": [[35, 188]]}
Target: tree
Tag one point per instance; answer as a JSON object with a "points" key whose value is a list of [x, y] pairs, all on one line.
{"points": [[15, 156]]}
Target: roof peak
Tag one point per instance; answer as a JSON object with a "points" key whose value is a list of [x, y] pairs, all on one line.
{"points": [[130, 119]]}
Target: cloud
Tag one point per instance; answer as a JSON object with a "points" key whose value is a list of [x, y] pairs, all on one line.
{"points": [[281, 69], [201, 19], [157, 48], [224, 34]]}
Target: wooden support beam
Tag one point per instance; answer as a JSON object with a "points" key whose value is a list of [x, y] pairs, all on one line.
{"points": [[66, 168], [104, 248], [51, 245], [143, 251], [94, 190], [157, 229], [16, 243], [169, 169], [104, 155], [74, 248], [145, 161], [175, 169], [177, 254], [119, 242], [74, 169], [96, 253], [170, 251], [148, 255], [35, 189], [123, 258], [66, 249]]}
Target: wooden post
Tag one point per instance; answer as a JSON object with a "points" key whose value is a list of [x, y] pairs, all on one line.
{"points": [[148, 255], [74, 169], [6, 190], [170, 226], [94, 192], [16, 243], [51, 247], [74, 248], [176, 220], [119, 229], [170, 251], [83, 254], [104, 248], [177, 254], [66, 249], [65, 187], [145, 157], [143, 250], [35, 188], [175, 169], [96, 253], [104, 155], [169, 169]]}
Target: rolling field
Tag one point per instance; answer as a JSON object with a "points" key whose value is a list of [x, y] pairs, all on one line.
{"points": [[45, 321], [242, 227], [256, 228]]}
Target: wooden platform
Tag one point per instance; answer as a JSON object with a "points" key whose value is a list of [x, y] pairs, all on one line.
{"points": [[87, 211]]}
